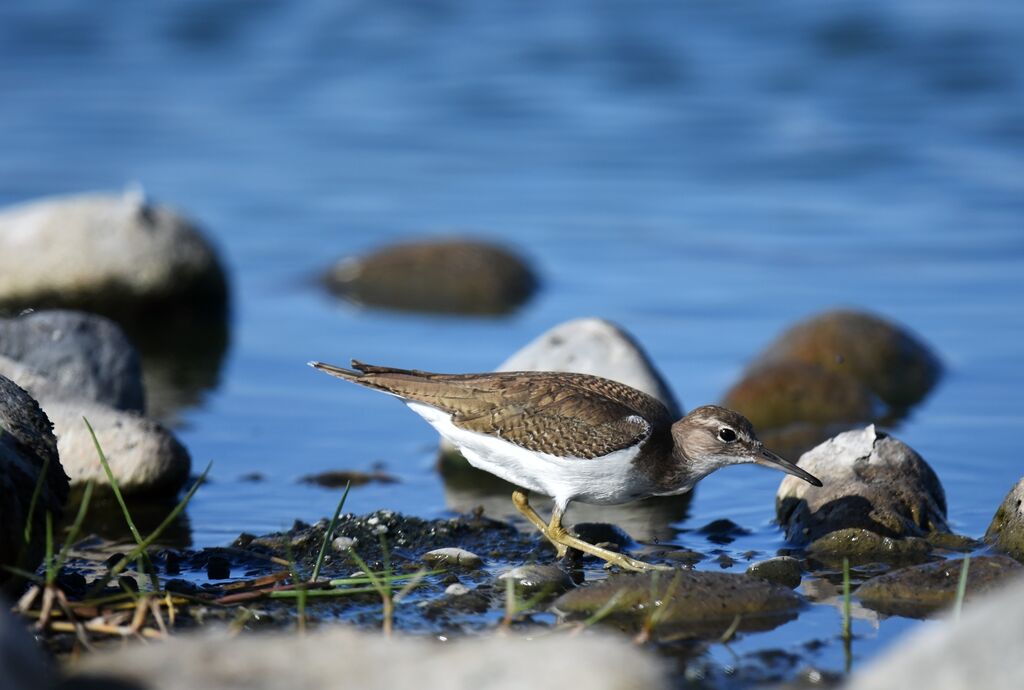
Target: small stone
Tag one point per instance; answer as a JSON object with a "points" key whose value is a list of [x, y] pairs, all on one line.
{"points": [[535, 578], [343, 544], [871, 481], [218, 568], [685, 556], [1006, 531], [457, 589], [918, 590], [451, 556], [862, 546], [783, 570]]}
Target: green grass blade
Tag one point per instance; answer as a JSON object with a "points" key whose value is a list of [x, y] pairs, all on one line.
{"points": [[113, 484], [51, 573], [329, 533], [36, 491], [847, 626], [76, 526], [961, 588]]}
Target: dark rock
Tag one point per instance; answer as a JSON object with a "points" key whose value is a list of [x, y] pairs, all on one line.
{"points": [[218, 568], [871, 482], [23, 666], [28, 456], [863, 546], [452, 276], [1006, 532], [335, 479], [602, 533], [705, 600], [891, 362], [723, 531], [535, 579], [684, 556], [78, 355], [783, 570], [918, 590]]}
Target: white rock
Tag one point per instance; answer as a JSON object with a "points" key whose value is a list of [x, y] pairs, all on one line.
{"points": [[344, 658], [143, 455], [452, 556], [981, 650], [91, 247]]}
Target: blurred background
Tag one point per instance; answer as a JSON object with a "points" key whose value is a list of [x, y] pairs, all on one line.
{"points": [[702, 173]]}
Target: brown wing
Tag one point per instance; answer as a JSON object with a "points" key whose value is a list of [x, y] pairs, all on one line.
{"points": [[570, 415]]}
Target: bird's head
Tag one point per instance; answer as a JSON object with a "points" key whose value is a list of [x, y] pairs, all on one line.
{"points": [[712, 437]]}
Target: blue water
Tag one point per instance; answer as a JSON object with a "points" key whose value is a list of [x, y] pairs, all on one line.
{"points": [[702, 173]]}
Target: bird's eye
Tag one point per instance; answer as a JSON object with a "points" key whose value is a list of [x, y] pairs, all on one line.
{"points": [[726, 434]]}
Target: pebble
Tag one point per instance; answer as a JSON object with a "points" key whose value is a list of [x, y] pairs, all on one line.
{"points": [[533, 579], [342, 544], [782, 570], [451, 556]]}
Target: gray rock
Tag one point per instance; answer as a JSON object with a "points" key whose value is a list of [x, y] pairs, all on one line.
{"points": [[28, 455], [535, 579], [451, 556], [589, 346], [344, 544], [1006, 532], [454, 276], [597, 347], [344, 658], [105, 253], [144, 456], [705, 601], [918, 590], [22, 665], [782, 570], [871, 482], [863, 546], [68, 354], [981, 650]]}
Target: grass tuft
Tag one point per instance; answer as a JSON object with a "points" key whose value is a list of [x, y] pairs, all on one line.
{"points": [[961, 588]]}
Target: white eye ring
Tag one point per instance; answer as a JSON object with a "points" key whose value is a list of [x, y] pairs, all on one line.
{"points": [[726, 434]]}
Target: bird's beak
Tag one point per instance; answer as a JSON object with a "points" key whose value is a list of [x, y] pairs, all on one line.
{"points": [[769, 459]]}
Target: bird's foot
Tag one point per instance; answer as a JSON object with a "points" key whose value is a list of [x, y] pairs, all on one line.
{"points": [[562, 539]]}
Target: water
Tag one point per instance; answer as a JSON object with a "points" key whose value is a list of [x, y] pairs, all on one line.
{"points": [[703, 174]]}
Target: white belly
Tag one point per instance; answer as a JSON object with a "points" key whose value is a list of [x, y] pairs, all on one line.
{"points": [[607, 479]]}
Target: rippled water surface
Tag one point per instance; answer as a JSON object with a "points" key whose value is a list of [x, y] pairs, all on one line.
{"points": [[702, 173]]}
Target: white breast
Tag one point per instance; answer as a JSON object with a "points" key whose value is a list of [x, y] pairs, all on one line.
{"points": [[603, 480]]}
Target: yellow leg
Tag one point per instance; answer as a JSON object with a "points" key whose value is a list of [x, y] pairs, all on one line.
{"points": [[562, 540]]}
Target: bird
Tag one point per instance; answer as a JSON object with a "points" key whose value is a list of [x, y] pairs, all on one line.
{"points": [[573, 437]]}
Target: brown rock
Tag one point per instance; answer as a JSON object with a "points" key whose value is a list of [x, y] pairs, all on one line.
{"points": [[1006, 532]]}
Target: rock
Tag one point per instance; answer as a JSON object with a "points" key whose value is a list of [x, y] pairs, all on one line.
{"points": [[343, 544], [109, 254], [338, 657], [451, 556], [888, 360], [702, 600], [68, 354], [22, 664], [535, 579], [451, 276], [862, 546], [871, 482], [1006, 532], [28, 455], [596, 347], [918, 590], [782, 570], [981, 650], [782, 394], [144, 456]]}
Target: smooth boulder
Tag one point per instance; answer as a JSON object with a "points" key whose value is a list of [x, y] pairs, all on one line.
{"points": [[1006, 532], [338, 657], [117, 255], [28, 456], [70, 354], [449, 276], [144, 456], [872, 482]]}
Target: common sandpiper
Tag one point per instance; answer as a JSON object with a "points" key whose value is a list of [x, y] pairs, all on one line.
{"points": [[573, 437]]}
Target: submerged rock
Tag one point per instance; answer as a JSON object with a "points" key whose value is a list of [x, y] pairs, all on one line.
{"points": [[451, 276], [887, 359], [28, 456], [117, 255], [981, 650], [686, 598], [144, 456], [864, 546], [536, 579], [452, 557], [782, 570], [343, 658], [918, 590], [872, 482], [1006, 532], [69, 354]]}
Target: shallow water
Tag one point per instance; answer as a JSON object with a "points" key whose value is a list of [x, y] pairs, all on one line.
{"points": [[702, 175]]}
